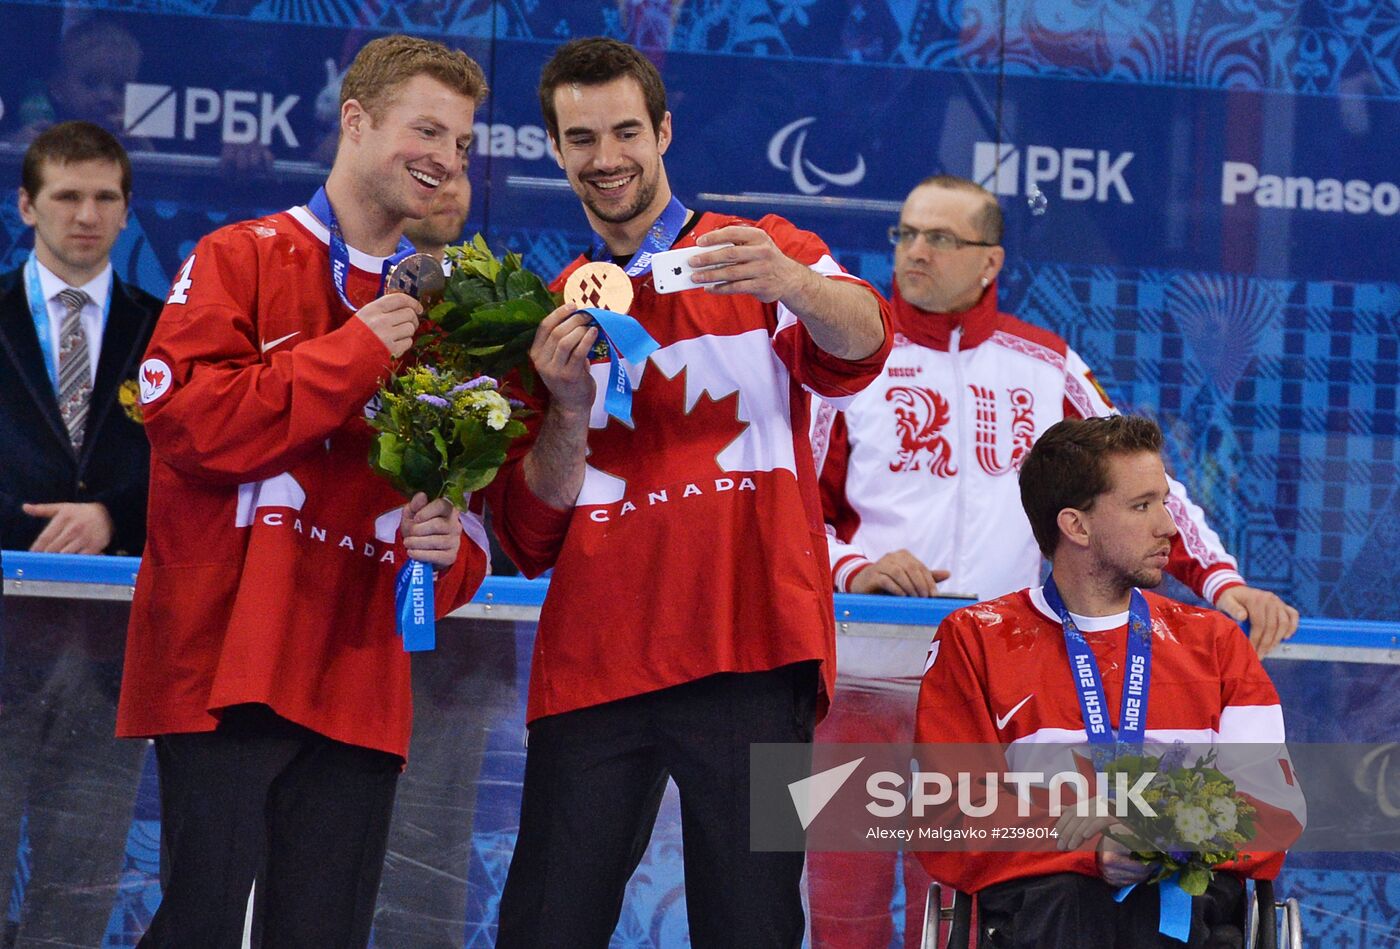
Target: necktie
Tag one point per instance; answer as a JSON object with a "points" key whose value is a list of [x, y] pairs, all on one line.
{"points": [[74, 374]]}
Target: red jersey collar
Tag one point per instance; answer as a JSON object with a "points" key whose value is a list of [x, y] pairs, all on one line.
{"points": [[934, 330]]}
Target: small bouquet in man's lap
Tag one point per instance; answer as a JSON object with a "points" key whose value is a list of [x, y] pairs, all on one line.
{"points": [[1201, 822]]}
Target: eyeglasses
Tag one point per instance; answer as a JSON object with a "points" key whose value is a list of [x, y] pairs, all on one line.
{"points": [[938, 240]]}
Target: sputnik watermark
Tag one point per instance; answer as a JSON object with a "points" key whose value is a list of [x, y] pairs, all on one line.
{"points": [[1018, 797], [932, 791]]}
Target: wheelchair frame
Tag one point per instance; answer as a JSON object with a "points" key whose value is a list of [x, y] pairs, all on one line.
{"points": [[959, 918]]}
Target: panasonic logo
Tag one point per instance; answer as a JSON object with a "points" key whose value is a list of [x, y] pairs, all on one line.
{"points": [[502, 140], [1240, 180]]}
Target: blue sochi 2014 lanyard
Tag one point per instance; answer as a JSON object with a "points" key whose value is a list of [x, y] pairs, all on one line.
{"points": [[413, 607], [320, 207], [1093, 704], [1174, 913], [413, 589], [659, 237], [39, 311]]}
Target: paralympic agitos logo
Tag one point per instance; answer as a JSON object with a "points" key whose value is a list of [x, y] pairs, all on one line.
{"points": [[806, 175]]}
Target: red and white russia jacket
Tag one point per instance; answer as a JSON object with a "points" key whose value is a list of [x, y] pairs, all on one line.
{"points": [[925, 459]]}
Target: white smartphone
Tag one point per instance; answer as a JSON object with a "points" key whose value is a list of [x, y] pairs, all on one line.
{"points": [[672, 271]]}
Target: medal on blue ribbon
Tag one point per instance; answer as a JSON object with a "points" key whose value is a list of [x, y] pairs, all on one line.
{"points": [[420, 276], [401, 272], [604, 292], [320, 207], [1088, 683], [597, 288]]}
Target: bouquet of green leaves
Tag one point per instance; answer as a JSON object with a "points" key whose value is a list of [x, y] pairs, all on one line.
{"points": [[487, 320], [1201, 818], [443, 424]]}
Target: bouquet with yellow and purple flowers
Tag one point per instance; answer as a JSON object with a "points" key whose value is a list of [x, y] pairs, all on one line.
{"points": [[441, 434], [444, 426], [1201, 819]]}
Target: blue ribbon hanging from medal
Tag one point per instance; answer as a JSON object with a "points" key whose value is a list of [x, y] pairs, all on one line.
{"points": [[420, 276], [1174, 916], [660, 236], [320, 206]]}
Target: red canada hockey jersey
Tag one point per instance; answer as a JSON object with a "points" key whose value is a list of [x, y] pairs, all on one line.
{"points": [[696, 545], [926, 458], [998, 674], [272, 547]]}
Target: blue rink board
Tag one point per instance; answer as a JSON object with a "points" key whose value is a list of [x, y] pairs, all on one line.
{"points": [[518, 591]]}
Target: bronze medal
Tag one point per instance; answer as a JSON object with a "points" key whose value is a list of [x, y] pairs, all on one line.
{"points": [[599, 285], [420, 276]]}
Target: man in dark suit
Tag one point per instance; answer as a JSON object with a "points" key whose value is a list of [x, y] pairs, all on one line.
{"points": [[73, 477]]}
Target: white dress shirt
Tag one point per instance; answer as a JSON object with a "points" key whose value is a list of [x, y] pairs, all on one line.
{"points": [[93, 318]]}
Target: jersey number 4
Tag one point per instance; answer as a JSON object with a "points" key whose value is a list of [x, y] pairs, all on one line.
{"points": [[179, 291]]}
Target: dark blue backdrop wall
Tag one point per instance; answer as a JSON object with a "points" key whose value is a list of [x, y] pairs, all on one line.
{"points": [[1202, 195]]}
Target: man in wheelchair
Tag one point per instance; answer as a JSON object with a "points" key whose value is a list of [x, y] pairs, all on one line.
{"points": [[1026, 676]]}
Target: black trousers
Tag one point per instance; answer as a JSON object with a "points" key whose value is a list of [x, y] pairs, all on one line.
{"points": [[263, 798], [1072, 911], [594, 779]]}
